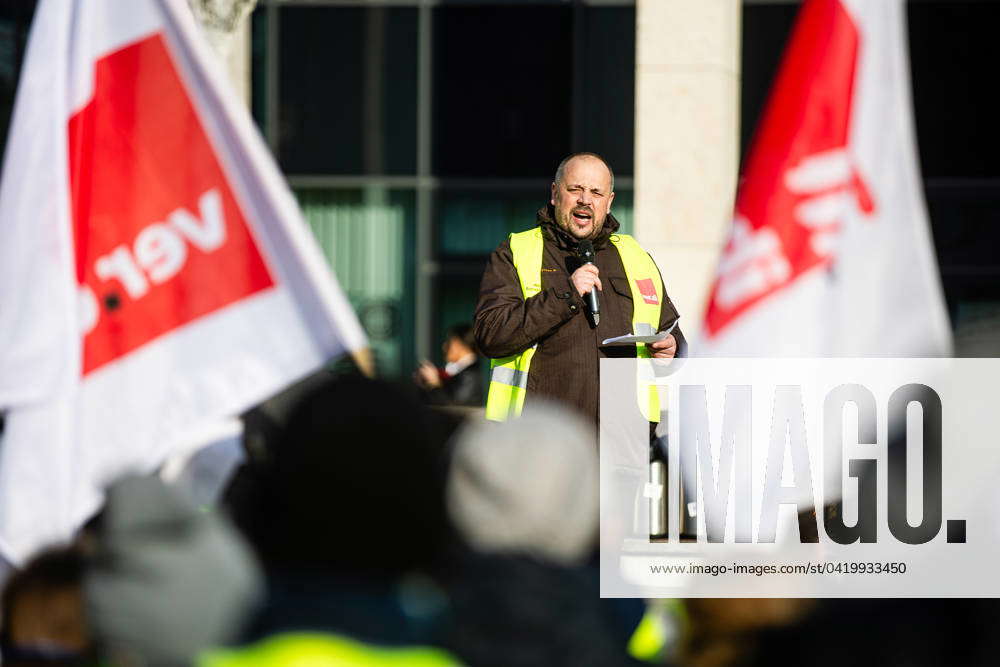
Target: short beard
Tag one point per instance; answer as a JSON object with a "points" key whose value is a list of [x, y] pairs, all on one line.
{"points": [[565, 222]]}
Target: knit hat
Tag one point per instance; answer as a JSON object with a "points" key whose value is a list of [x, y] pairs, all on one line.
{"points": [[167, 581], [528, 485]]}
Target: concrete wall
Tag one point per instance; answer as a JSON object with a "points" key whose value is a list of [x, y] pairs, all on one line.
{"points": [[686, 140], [226, 25]]}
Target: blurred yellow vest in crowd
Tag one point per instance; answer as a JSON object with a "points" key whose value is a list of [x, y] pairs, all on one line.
{"points": [[309, 649]]}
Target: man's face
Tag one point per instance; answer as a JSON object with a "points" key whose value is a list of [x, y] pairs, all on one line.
{"points": [[454, 350], [583, 198]]}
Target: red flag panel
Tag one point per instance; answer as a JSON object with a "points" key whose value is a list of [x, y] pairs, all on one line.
{"points": [[800, 174], [160, 239]]}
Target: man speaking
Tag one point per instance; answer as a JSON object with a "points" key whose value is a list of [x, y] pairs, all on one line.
{"points": [[551, 294]]}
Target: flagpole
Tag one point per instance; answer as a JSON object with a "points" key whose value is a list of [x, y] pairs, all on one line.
{"points": [[364, 360]]}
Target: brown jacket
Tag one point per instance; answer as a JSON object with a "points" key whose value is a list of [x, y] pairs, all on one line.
{"points": [[565, 365]]}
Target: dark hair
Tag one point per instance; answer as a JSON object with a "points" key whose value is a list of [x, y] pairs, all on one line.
{"points": [[463, 332], [354, 483], [561, 169], [52, 570]]}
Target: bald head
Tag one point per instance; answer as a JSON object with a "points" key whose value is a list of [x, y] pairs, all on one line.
{"points": [[582, 194], [561, 169]]}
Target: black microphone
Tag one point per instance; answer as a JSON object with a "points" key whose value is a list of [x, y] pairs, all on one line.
{"points": [[585, 249]]}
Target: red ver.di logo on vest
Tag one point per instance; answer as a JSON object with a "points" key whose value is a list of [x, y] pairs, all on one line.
{"points": [[648, 291]]}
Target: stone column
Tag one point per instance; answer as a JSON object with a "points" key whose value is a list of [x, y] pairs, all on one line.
{"points": [[686, 140], [226, 25]]}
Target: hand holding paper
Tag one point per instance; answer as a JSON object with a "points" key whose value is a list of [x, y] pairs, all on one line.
{"points": [[641, 337], [663, 349]]}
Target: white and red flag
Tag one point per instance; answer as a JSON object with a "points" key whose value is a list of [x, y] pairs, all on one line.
{"points": [[830, 251], [156, 276]]}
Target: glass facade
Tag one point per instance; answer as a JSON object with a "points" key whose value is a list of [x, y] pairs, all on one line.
{"points": [[417, 135], [347, 99], [366, 234], [15, 20]]}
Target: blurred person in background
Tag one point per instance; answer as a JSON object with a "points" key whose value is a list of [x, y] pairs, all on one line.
{"points": [[460, 382], [42, 618], [524, 497], [347, 514]]}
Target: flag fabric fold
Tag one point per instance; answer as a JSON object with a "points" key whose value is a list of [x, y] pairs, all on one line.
{"points": [[156, 276], [830, 251]]}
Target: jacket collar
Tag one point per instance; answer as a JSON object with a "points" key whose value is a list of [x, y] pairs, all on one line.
{"points": [[563, 239]]}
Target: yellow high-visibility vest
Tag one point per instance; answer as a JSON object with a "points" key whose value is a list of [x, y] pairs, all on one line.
{"points": [[313, 649], [662, 624], [509, 375]]}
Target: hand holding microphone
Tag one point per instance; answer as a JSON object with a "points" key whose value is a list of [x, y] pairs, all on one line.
{"points": [[586, 280]]}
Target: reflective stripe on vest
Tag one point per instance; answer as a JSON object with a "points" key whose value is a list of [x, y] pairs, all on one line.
{"points": [[641, 271], [509, 375], [309, 649]]}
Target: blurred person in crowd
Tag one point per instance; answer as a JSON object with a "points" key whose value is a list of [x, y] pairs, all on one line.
{"points": [[165, 581], [42, 618], [868, 631], [460, 381], [532, 316], [524, 496], [872, 631], [347, 514], [881, 632], [724, 632]]}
